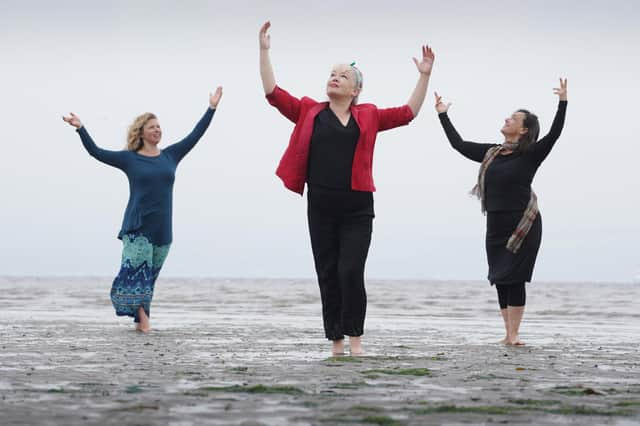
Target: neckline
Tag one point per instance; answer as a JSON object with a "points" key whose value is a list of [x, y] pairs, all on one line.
{"points": [[148, 156], [344, 126]]}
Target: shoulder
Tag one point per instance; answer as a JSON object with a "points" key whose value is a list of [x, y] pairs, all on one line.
{"points": [[309, 102], [365, 107]]}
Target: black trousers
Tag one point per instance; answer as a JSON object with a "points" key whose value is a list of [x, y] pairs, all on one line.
{"points": [[340, 225]]}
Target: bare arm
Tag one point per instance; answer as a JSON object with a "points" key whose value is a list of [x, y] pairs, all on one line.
{"points": [[424, 68], [266, 70]]}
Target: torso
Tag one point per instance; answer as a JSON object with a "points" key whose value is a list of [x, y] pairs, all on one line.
{"points": [[333, 145], [508, 182]]}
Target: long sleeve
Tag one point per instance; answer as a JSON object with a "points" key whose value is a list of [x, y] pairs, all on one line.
{"points": [[473, 151], [389, 118], [113, 158], [542, 148], [287, 104], [179, 149]]}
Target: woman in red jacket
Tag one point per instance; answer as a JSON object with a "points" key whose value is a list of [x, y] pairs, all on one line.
{"points": [[331, 149]]}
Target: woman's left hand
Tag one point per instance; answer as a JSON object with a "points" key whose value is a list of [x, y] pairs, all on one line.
{"points": [[214, 98], [562, 90], [424, 66]]}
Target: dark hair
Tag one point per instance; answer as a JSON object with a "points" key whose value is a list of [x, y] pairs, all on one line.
{"points": [[532, 125]]}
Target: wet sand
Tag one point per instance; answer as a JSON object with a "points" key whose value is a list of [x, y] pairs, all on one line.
{"points": [[252, 352]]}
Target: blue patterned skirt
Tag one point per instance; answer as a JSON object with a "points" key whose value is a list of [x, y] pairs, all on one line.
{"points": [[141, 264]]}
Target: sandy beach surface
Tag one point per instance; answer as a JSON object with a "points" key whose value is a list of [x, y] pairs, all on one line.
{"points": [[252, 352]]}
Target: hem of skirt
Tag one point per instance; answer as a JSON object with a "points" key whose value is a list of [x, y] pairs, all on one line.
{"points": [[135, 316], [122, 314]]}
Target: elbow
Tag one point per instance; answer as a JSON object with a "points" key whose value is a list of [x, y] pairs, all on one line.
{"points": [[269, 87], [414, 110]]}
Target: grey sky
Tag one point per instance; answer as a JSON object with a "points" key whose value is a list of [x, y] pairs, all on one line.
{"points": [[110, 61]]}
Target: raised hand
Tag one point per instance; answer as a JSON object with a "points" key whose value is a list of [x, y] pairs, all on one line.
{"points": [[562, 90], [214, 98], [426, 64], [73, 120], [265, 39], [266, 70], [441, 106]]}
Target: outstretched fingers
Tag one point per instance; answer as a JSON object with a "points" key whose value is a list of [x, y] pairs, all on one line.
{"points": [[265, 39], [427, 52], [214, 98], [265, 27], [72, 119]]}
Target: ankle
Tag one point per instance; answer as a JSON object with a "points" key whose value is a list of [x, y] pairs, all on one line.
{"points": [[338, 346]]}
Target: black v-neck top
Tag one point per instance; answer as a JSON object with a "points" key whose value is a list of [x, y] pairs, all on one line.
{"points": [[333, 146]]}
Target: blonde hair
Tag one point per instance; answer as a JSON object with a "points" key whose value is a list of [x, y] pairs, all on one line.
{"points": [[359, 80], [134, 134]]}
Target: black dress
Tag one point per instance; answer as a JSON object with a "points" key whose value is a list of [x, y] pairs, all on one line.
{"points": [[507, 192]]}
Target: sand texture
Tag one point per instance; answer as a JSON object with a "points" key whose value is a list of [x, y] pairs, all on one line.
{"points": [[252, 352]]}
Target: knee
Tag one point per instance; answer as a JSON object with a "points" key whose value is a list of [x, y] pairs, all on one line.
{"points": [[349, 273]]}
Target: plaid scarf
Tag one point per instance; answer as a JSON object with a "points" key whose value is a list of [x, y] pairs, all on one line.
{"points": [[530, 213]]}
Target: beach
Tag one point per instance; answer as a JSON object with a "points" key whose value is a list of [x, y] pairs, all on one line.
{"points": [[253, 352]]}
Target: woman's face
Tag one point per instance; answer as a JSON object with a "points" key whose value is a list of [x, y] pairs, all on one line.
{"points": [[342, 83], [514, 125], [151, 132]]}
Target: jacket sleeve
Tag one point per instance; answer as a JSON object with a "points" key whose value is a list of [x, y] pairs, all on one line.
{"points": [[473, 151], [389, 118], [116, 159], [542, 148], [179, 149], [288, 105]]}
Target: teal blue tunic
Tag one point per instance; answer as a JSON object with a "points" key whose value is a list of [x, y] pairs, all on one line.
{"points": [[149, 210]]}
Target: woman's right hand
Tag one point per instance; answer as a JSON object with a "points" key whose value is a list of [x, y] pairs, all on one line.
{"points": [[73, 120], [441, 106], [265, 39]]}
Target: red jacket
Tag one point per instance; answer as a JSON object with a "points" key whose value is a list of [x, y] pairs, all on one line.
{"points": [[371, 120]]}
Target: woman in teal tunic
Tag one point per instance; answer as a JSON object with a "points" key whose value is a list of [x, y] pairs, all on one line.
{"points": [[146, 228]]}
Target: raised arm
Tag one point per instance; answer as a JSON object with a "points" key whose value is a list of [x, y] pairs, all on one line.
{"points": [[116, 159], [424, 68], [179, 149], [287, 104], [471, 150], [266, 70], [542, 148], [389, 118]]}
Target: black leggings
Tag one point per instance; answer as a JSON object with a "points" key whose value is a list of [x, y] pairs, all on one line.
{"points": [[511, 295], [340, 225]]}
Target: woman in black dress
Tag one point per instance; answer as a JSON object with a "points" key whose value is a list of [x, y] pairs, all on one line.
{"points": [[514, 224]]}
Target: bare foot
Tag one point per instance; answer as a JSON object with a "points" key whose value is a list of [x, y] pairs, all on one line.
{"points": [[355, 346], [504, 341], [143, 326], [338, 348], [515, 341]]}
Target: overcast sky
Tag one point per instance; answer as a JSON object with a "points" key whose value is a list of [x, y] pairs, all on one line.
{"points": [[112, 60]]}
